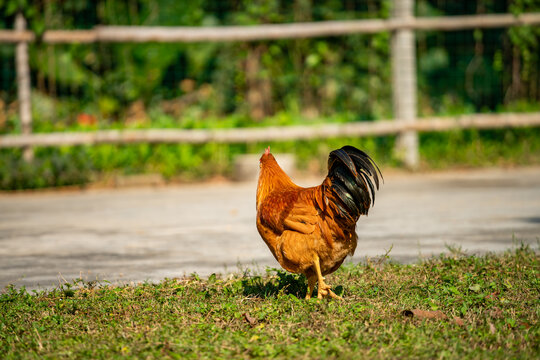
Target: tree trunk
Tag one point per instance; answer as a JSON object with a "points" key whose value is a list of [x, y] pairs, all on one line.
{"points": [[259, 87]]}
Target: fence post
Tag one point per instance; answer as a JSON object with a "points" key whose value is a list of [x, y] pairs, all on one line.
{"points": [[23, 86], [404, 82]]}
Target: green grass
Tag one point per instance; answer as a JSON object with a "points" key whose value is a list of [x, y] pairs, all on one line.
{"points": [[247, 316]]}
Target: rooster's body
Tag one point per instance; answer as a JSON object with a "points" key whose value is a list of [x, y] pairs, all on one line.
{"points": [[311, 230]]}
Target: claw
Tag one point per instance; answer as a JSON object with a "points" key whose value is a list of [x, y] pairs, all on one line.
{"points": [[325, 290], [334, 296]]}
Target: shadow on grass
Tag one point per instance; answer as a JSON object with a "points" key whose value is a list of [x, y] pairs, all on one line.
{"points": [[282, 282]]}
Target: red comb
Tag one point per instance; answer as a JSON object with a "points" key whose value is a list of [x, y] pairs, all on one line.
{"points": [[267, 151]]}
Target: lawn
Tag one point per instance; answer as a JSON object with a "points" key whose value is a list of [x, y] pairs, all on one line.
{"points": [[453, 306]]}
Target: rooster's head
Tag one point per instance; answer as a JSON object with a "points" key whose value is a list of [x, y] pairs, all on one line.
{"points": [[267, 156]]}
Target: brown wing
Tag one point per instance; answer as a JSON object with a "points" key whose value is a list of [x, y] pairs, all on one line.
{"points": [[289, 210], [291, 226]]}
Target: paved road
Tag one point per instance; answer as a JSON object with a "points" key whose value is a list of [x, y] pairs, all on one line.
{"points": [[142, 234]]}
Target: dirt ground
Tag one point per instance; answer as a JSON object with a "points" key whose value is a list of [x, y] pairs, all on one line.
{"points": [[149, 233]]}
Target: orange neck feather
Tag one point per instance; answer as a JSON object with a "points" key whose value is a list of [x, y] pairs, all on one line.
{"points": [[271, 177]]}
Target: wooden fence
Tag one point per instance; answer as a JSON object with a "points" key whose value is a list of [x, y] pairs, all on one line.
{"points": [[402, 24], [251, 135], [269, 31]]}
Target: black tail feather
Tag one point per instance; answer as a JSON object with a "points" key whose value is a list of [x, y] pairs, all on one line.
{"points": [[343, 192], [355, 177], [353, 186]]}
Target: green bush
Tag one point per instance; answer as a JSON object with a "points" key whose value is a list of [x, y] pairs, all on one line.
{"points": [[475, 148], [50, 168]]}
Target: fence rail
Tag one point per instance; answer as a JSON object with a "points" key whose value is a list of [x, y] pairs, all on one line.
{"points": [[252, 135], [269, 31]]}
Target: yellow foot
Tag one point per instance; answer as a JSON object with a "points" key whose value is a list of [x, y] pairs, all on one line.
{"points": [[334, 296], [325, 290]]}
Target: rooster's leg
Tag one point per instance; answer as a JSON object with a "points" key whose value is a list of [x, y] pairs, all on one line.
{"points": [[323, 289], [311, 285]]}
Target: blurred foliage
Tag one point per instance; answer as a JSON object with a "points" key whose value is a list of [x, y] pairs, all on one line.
{"points": [[84, 87], [477, 70], [52, 167], [79, 165], [474, 148]]}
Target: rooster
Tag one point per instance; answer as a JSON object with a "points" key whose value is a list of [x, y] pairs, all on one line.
{"points": [[311, 230]]}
